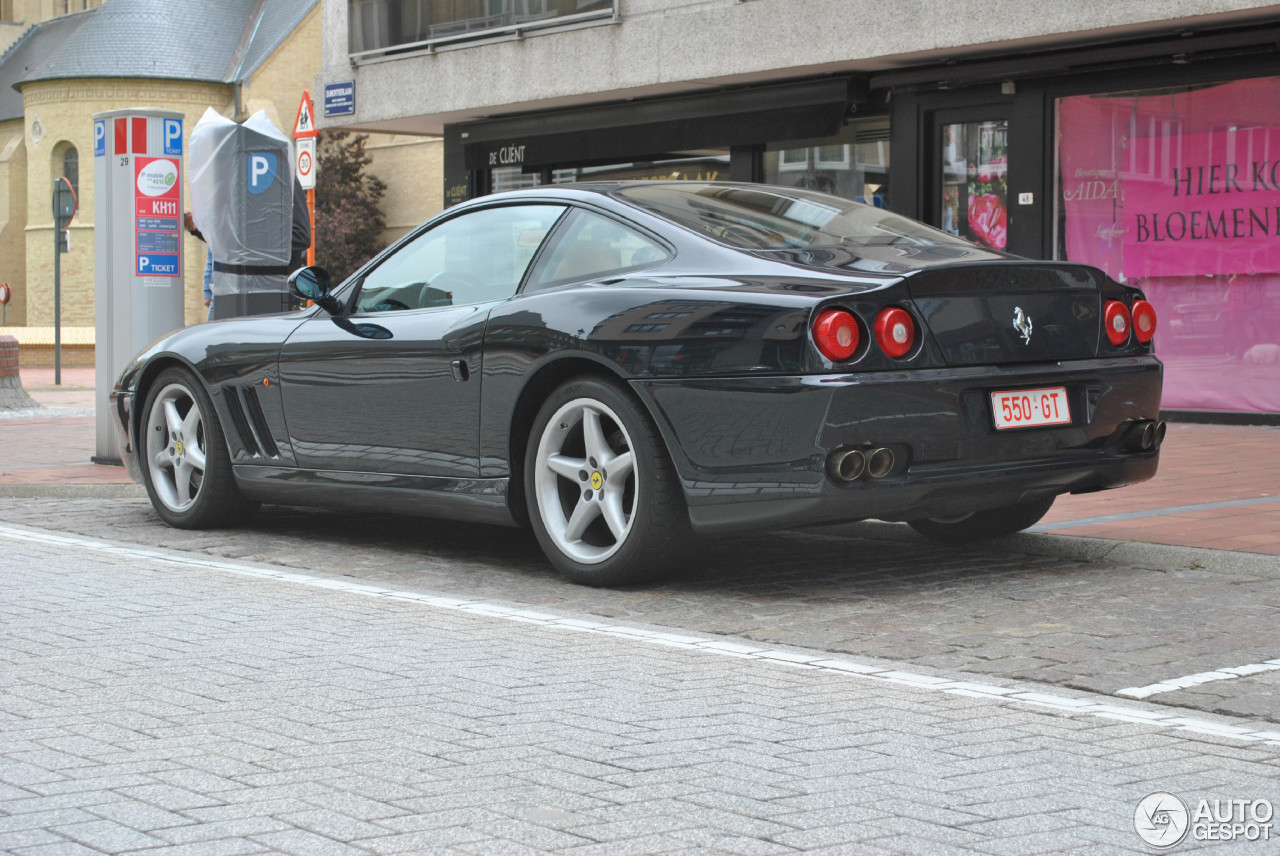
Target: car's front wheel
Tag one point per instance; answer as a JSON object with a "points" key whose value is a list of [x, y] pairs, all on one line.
{"points": [[983, 525], [602, 494], [184, 459]]}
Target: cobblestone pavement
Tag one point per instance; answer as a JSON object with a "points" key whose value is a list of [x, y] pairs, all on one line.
{"points": [[157, 703], [1088, 624]]}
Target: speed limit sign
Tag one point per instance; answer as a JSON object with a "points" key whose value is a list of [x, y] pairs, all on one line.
{"points": [[5, 293], [306, 162]]}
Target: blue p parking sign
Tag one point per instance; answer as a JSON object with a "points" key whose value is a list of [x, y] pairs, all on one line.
{"points": [[157, 264], [99, 138], [262, 170], [172, 136]]}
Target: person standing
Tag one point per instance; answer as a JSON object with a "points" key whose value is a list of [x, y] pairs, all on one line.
{"points": [[208, 263], [208, 282]]}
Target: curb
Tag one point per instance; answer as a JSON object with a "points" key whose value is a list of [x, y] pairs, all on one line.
{"points": [[1156, 557], [72, 491], [1143, 554]]}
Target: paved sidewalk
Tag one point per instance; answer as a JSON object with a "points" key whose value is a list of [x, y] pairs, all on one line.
{"points": [[185, 705], [54, 445], [1218, 485]]}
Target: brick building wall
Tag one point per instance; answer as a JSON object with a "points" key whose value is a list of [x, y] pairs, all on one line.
{"points": [[65, 109], [412, 167], [13, 220]]}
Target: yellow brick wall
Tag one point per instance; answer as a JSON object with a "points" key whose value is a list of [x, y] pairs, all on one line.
{"points": [[65, 109], [413, 168], [13, 220]]}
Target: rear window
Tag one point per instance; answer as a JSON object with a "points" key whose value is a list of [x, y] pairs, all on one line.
{"points": [[775, 218]]}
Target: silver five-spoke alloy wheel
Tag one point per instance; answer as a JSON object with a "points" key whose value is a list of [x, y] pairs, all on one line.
{"points": [[585, 481], [176, 447]]}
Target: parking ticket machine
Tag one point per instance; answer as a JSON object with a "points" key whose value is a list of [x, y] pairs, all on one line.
{"points": [[242, 202], [138, 265]]}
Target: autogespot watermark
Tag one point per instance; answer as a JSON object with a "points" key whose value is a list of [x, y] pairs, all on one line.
{"points": [[1163, 820]]}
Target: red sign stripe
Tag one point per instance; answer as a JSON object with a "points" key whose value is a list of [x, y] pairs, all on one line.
{"points": [[122, 136], [139, 135]]}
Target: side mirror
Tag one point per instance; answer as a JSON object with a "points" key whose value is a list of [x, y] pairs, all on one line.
{"points": [[313, 283]]}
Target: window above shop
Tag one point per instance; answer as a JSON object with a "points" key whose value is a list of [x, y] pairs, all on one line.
{"points": [[379, 27], [853, 164]]}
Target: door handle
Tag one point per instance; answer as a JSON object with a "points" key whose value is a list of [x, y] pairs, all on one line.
{"points": [[460, 370]]}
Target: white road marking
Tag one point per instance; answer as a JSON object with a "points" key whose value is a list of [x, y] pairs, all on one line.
{"points": [[1247, 731], [1224, 674]]}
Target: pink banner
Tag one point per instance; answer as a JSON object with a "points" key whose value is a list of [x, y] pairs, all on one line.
{"points": [[1178, 193], [1208, 205]]}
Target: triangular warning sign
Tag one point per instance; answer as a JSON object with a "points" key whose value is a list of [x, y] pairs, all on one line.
{"points": [[305, 125]]}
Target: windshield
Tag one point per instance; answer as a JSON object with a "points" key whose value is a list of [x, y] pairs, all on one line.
{"points": [[777, 218]]}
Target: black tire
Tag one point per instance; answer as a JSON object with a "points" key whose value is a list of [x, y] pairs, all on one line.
{"points": [[984, 525], [177, 432], [598, 531]]}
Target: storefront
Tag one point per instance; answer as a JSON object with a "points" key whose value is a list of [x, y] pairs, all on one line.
{"points": [[1177, 191], [1157, 161]]}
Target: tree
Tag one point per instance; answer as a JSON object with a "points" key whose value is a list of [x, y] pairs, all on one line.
{"points": [[349, 223]]}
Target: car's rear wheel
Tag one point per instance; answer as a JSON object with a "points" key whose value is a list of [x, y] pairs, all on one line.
{"points": [[602, 494], [983, 525], [185, 463]]}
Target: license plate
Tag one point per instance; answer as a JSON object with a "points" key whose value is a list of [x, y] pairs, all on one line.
{"points": [[1029, 407]]}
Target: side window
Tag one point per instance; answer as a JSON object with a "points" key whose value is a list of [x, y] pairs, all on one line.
{"points": [[473, 258], [593, 247]]}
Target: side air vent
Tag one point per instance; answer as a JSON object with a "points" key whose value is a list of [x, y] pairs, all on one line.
{"points": [[241, 425], [259, 419]]}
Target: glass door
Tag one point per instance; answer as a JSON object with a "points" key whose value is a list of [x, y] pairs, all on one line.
{"points": [[973, 191]]}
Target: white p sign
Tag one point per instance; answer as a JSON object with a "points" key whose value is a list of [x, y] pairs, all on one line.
{"points": [[173, 136], [262, 170], [99, 138]]}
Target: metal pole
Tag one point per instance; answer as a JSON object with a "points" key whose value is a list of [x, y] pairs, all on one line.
{"points": [[311, 212], [57, 303]]}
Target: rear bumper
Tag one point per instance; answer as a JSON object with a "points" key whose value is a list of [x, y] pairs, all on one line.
{"points": [[752, 452]]}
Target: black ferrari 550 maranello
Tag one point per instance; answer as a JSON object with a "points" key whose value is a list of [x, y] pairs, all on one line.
{"points": [[620, 365]]}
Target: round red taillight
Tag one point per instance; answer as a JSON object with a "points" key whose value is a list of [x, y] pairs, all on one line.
{"points": [[895, 331], [1115, 317], [1144, 321], [835, 332]]}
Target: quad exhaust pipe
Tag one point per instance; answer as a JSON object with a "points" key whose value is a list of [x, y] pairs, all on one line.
{"points": [[849, 465], [1146, 435], [879, 463], [846, 465]]}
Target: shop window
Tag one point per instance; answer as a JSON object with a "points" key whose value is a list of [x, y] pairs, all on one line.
{"points": [[511, 178], [702, 165], [1177, 191], [853, 164]]}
